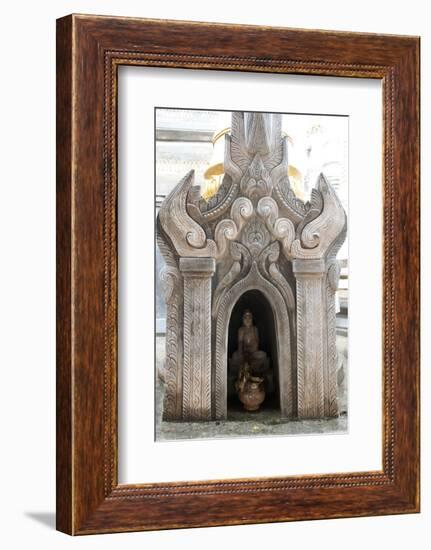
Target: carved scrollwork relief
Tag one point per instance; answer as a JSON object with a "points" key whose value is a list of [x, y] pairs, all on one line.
{"points": [[318, 236], [204, 212], [187, 236], [256, 181], [272, 272], [239, 268], [293, 207], [255, 237], [228, 229], [269, 255], [281, 228], [225, 231], [242, 210], [315, 206], [171, 280]]}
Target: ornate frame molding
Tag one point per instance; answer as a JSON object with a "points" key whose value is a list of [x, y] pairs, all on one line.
{"points": [[90, 50]]}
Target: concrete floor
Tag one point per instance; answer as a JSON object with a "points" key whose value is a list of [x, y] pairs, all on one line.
{"points": [[266, 422]]}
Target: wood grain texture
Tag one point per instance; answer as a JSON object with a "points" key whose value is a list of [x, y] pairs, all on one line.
{"points": [[89, 51], [64, 496]]}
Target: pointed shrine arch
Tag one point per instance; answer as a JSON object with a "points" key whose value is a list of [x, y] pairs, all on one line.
{"points": [[255, 281]]}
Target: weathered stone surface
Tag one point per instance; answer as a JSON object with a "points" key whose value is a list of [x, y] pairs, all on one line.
{"points": [[253, 235], [197, 273], [311, 337]]}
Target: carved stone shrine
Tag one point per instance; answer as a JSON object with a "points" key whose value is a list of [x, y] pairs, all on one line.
{"points": [[255, 243]]}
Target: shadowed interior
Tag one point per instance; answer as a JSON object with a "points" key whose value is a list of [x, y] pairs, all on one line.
{"points": [[263, 319]]}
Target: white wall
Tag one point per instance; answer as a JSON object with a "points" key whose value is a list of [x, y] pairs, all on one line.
{"points": [[27, 217]]}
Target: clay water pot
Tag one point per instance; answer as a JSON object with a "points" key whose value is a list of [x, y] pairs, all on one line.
{"points": [[253, 394]]}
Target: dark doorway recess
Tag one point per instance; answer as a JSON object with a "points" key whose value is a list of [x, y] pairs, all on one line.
{"points": [[263, 319]]}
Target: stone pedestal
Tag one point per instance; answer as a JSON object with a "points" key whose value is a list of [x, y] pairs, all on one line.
{"points": [[197, 273], [311, 336]]}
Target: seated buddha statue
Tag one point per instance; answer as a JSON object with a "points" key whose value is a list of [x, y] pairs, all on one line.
{"points": [[249, 371], [248, 352]]}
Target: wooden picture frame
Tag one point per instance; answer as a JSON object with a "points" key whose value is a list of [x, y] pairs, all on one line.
{"points": [[89, 51]]}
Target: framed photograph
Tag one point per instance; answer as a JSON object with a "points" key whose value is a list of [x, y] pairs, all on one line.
{"points": [[237, 274]]}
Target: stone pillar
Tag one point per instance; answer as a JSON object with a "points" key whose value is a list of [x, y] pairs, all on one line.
{"points": [[197, 273], [311, 336], [331, 387]]}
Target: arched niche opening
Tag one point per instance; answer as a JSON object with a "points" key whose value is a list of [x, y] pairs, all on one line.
{"points": [[263, 318]]}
